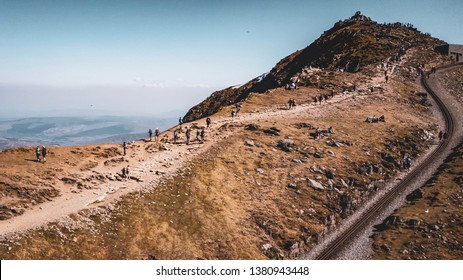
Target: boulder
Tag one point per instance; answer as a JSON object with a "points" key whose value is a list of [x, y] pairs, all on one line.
{"points": [[416, 194], [252, 127], [329, 174], [316, 185], [285, 145], [272, 131], [249, 143], [292, 185], [315, 169]]}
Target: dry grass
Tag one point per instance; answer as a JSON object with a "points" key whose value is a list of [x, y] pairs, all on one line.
{"points": [[439, 234], [220, 207]]}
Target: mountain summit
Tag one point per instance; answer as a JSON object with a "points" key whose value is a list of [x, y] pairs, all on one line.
{"points": [[350, 45]]}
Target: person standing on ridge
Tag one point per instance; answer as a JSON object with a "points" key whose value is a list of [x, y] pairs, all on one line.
{"points": [[38, 153], [124, 145], [208, 122], [202, 135], [127, 172], [157, 132], [44, 154], [188, 134], [150, 133], [175, 136]]}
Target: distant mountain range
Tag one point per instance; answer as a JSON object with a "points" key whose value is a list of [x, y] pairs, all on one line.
{"points": [[66, 131]]}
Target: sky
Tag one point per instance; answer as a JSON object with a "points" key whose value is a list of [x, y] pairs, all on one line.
{"points": [[151, 57]]}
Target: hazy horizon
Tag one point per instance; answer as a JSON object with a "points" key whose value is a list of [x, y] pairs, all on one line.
{"points": [[154, 57], [49, 101]]}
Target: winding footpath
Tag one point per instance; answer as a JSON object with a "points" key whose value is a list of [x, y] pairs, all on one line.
{"points": [[168, 162], [351, 240]]}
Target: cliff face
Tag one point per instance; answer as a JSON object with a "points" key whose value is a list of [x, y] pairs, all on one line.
{"points": [[350, 45]]}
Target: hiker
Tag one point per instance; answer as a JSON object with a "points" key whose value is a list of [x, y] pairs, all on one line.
{"points": [[150, 133], [290, 103], [188, 134], [202, 135], [233, 114], [208, 122], [198, 134], [374, 119], [44, 154], [124, 145], [387, 79], [441, 134], [175, 136], [317, 133], [124, 173], [330, 129], [38, 153], [238, 108], [293, 103], [381, 118], [157, 132], [408, 163], [127, 172]]}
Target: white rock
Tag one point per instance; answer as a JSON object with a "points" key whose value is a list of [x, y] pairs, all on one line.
{"points": [[316, 185]]}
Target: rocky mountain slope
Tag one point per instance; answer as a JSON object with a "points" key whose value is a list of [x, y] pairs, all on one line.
{"points": [[430, 224], [266, 184], [350, 45]]}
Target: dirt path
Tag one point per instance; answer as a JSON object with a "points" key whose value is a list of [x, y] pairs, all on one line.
{"points": [[150, 167]]}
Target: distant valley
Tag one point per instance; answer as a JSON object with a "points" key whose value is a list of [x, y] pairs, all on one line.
{"points": [[68, 131]]}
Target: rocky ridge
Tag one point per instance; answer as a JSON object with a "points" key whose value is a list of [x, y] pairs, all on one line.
{"points": [[350, 45]]}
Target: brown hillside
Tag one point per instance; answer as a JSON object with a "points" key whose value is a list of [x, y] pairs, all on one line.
{"points": [[261, 185]]}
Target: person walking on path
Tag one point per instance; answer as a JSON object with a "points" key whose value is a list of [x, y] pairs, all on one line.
{"points": [[408, 163], [188, 134], [124, 145], [208, 122], [38, 153], [157, 132], [175, 136], [44, 154], [150, 133], [202, 135], [127, 172]]}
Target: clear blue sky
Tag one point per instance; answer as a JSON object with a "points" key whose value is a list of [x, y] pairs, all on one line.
{"points": [[171, 46]]}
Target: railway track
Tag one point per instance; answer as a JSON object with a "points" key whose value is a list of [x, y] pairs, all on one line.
{"points": [[342, 241]]}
